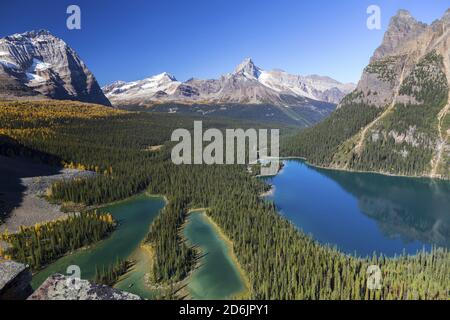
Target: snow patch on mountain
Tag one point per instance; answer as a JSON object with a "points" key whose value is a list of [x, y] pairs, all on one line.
{"points": [[39, 63], [247, 84], [148, 87], [34, 77]]}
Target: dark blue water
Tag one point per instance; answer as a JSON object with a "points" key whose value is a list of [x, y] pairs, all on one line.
{"points": [[363, 213]]}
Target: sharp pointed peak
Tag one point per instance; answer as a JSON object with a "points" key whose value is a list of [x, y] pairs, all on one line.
{"points": [[166, 75], [248, 68], [161, 76], [405, 17], [244, 63], [247, 60], [404, 22]]}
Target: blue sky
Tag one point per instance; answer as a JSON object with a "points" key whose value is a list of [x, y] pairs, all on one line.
{"points": [[134, 39]]}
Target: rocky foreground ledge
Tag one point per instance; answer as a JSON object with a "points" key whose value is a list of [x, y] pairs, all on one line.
{"points": [[15, 279], [59, 287]]}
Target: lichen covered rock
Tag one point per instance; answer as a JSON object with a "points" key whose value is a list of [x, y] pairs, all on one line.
{"points": [[59, 287], [15, 280]]}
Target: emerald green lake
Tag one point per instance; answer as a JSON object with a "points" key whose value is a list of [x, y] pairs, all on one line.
{"points": [[217, 277], [362, 213], [134, 217]]}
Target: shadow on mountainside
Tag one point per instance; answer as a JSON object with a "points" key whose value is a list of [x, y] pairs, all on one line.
{"points": [[20, 163]]}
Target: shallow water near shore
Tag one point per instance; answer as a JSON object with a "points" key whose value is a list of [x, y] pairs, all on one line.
{"points": [[134, 216], [217, 276], [363, 213]]}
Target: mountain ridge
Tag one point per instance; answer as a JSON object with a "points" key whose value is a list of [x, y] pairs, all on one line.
{"points": [[39, 65], [246, 84], [396, 121]]}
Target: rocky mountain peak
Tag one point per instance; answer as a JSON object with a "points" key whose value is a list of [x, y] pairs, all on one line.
{"points": [[404, 22], [165, 76], [446, 17], [402, 28], [31, 35], [403, 14], [406, 44], [37, 62], [247, 84], [248, 69], [37, 33]]}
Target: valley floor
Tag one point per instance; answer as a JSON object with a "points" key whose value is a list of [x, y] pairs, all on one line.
{"points": [[22, 190]]}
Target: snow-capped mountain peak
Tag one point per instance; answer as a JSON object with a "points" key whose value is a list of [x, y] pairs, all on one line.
{"points": [[36, 63], [146, 88], [248, 84], [163, 77], [248, 69], [30, 35]]}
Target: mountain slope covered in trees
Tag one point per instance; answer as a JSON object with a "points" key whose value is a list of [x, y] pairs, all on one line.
{"points": [[281, 261], [396, 120]]}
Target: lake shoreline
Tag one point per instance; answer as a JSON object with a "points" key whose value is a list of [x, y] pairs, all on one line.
{"points": [[87, 250], [363, 214], [143, 258], [246, 292], [365, 171]]}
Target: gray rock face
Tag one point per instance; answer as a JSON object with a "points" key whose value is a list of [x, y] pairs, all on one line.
{"points": [[38, 64], [12, 88], [15, 279], [379, 80], [408, 79], [402, 28], [59, 287], [248, 84], [405, 43]]}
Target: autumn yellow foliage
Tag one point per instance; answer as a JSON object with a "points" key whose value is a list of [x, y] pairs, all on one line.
{"points": [[54, 109]]}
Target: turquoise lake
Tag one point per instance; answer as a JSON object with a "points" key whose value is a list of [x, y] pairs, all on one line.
{"points": [[134, 217], [363, 213], [217, 277]]}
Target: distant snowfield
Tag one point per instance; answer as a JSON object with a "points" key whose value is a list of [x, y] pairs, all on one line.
{"points": [[163, 82], [247, 83]]}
